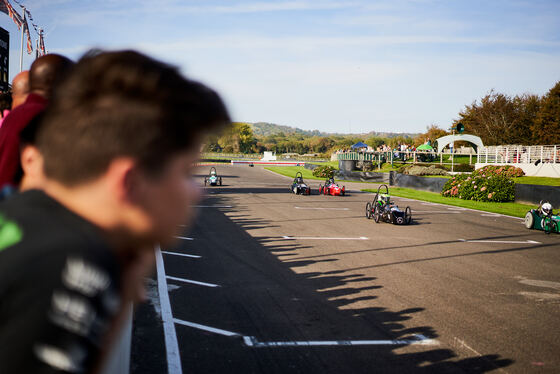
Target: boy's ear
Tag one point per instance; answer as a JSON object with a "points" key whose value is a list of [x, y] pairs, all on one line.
{"points": [[123, 177], [31, 161]]}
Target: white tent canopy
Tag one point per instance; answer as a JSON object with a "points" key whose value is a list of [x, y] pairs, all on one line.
{"points": [[446, 140]]}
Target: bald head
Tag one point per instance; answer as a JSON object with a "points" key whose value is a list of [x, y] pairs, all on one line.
{"points": [[46, 72], [20, 88]]}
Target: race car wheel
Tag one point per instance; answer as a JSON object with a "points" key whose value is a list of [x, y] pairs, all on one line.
{"points": [[220, 181], [407, 215], [320, 189], [376, 214], [309, 191], [529, 220], [343, 192], [205, 181], [368, 210], [546, 225]]}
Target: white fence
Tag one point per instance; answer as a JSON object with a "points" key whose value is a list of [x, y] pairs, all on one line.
{"points": [[535, 160], [519, 154]]}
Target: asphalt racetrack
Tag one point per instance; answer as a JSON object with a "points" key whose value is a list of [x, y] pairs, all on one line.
{"points": [[271, 282]]}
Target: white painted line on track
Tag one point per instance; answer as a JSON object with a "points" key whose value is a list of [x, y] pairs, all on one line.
{"points": [[457, 208], [500, 241], [192, 281], [206, 328], [183, 237], [416, 340], [171, 345], [311, 208], [180, 254], [320, 238], [251, 341]]}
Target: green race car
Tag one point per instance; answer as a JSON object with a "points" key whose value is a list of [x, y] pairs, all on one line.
{"points": [[383, 209], [543, 218], [213, 178]]}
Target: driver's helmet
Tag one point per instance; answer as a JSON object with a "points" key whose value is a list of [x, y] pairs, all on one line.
{"points": [[212, 172], [384, 198], [300, 180], [547, 209]]}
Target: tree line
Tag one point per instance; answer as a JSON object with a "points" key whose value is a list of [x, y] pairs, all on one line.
{"points": [[497, 118], [526, 119]]}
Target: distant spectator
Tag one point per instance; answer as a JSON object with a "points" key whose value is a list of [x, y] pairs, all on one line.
{"points": [[20, 88], [118, 143], [5, 105], [45, 73]]}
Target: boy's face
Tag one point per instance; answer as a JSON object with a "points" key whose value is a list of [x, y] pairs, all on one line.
{"points": [[167, 200]]}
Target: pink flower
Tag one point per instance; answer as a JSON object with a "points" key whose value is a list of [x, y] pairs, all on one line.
{"points": [[490, 195], [475, 187], [483, 188]]}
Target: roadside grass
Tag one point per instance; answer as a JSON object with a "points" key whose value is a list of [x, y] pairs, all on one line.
{"points": [[510, 209], [543, 181], [334, 164], [290, 171]]}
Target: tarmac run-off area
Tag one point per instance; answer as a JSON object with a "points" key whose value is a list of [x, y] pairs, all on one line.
{"points": [[271, 282]]}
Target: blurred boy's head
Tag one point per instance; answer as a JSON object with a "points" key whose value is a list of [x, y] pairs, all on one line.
{"points": [[135, 125]]}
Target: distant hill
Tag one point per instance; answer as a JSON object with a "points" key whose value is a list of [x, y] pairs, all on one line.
{"points": [[266, 129]]}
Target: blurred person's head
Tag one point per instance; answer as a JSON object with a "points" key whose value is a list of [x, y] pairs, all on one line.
{"points": [[127, 129], [5, 102], [46, 72], [20, 88]]}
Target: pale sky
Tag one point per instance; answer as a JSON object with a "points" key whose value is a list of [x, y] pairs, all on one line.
{"points": [[336, 66]]}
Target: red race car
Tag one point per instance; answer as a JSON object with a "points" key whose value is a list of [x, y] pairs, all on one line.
{"points": [[331, 188]]}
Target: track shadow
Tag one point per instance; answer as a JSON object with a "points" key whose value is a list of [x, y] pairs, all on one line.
{"points": [[264, 297]]}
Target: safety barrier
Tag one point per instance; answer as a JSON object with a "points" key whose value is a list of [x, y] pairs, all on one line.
{"points": [[519, 154]]}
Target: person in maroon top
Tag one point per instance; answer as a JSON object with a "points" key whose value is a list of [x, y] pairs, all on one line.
{"points": [[44, 74]]}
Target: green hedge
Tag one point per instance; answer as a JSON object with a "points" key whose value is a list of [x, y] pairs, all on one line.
{"points": [[496, 188], [324, 172], [463, 168], [504, 170]]}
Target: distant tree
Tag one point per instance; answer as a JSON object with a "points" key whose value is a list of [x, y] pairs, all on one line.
{"points": [[546, 127], [501, 119], [432, 133], [375, 141], [246, 139], [527, 108], [237, 137]]}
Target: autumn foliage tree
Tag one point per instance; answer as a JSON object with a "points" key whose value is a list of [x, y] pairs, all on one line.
{"points": [[237, 137], [432, 133], [501, 119], [546, 126]]}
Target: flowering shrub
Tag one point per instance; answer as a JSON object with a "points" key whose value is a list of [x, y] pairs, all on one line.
{"points": [[505, 170], [323, 172], [496, 188]]}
